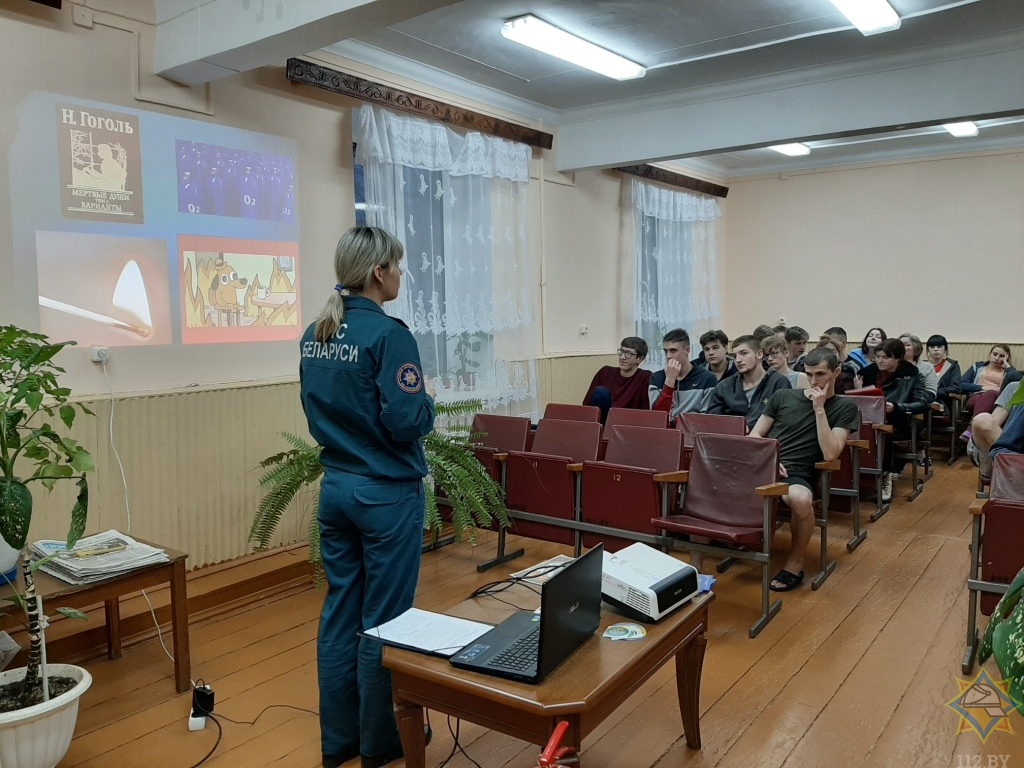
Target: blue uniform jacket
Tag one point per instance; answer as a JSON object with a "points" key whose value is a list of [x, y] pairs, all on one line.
{"points": [[363, 395]]}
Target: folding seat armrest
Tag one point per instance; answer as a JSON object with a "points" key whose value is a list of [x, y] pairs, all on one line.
{"points": [[500, 456], [828, 466], [860, 444], [772, 489], [679, 476], [937, 407], [882, 427], [977, 507], [574, 467], [918, 417], [959, 396]]}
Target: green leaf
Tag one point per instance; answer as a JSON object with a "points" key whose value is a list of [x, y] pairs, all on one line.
{"points": [[15, 513], [37, 564], [71, 613], [67, 415], [82, 461], [79, 513], [34, 400]]}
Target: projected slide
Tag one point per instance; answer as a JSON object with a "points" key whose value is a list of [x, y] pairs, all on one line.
{"points": [[238, 290], [139, 228], [98, 289], [221, 181]]}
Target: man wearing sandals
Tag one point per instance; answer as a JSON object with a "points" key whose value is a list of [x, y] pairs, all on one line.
{"points": [[811, 425]]}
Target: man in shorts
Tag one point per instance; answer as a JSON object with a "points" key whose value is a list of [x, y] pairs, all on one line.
{"points": [[811, 425]]}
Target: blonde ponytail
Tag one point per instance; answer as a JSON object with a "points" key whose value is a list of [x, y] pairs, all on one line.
{"points": [[359, 252], [331, 318]]}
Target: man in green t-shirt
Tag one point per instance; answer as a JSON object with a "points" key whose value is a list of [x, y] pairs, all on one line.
{"points": [[811, 425]]}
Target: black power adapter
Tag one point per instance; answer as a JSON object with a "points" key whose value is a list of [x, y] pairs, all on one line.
{"points": [[202, 701]]}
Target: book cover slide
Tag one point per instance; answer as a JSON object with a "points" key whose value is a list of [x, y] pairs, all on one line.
{"points": [[100, 165]]}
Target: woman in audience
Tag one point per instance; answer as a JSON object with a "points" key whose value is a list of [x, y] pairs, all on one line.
{"points": [[947, 370], [912, 349], [776, 351], [902, 386], [984, 380], [864, 355]]}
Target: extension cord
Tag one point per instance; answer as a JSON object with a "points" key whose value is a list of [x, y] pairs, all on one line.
{"points": [[202, 705]]}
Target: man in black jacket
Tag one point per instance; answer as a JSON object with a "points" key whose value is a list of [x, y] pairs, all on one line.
{"points": [[746, 394]]}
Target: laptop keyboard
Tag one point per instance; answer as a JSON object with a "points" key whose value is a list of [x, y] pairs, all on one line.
{"points": [[521, 655]]}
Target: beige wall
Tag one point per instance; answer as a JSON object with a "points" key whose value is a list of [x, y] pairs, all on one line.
{"points": [[933, 246], [190, 454]]}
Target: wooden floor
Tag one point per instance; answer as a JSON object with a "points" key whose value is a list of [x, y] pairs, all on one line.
{"points": [[855, 674]]}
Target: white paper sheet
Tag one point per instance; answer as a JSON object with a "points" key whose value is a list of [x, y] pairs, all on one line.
{"points": [[429, 632]]}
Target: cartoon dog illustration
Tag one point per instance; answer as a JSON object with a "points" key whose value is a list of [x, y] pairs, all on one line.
{"points": [[223, 292]]}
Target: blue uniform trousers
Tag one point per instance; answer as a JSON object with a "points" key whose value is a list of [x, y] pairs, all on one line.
{"points": [[371, 535]]}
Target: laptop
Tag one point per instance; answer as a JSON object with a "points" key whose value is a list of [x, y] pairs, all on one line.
{"points": [[527, 646]]}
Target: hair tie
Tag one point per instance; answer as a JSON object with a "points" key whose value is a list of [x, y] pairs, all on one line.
{"points": [[339, 287]]}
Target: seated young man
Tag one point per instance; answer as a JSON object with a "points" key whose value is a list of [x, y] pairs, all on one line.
{"points": [[624, 385], [682, 387], [811, 425], [796, 343], [714, 346], [989, 428], [747, 393]]}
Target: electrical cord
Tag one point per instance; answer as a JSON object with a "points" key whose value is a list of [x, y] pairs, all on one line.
{"points": [[220, 735], [128, 509], [222, 716], [456, 746]]}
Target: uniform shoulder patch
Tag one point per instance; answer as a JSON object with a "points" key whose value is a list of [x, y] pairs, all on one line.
{"points": [[409, 378]]}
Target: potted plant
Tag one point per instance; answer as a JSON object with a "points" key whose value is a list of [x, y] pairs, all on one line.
{"points": [[473, 495], [1004, 639], [37, 730]]}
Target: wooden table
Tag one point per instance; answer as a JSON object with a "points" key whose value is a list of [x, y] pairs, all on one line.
{"points": [[584, 690], [60, 594]]}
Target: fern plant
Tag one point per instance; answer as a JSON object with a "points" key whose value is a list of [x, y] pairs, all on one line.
{"points": [[475, 499]]}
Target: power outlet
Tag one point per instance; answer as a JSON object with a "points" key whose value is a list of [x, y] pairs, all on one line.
{"points": [[99, 354], [584, 330]]}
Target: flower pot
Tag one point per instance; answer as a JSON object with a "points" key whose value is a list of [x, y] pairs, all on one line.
{"points": [[8, 562], [39, 736]]}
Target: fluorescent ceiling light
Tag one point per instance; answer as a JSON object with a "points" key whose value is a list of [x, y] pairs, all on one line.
{"points": [[869, 16], [961, 130], [532, 32], [793, 150]]}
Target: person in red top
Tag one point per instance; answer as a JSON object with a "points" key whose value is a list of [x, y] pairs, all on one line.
{"points": [[625, 385]]}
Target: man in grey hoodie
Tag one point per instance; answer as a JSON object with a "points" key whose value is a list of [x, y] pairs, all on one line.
{"points": [[746, 394]]}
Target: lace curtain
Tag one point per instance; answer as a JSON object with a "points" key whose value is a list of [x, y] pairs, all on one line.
{"points": [[459, 206], [674, 264]]}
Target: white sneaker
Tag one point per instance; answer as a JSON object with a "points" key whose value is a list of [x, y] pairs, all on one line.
{"points": [[972, 452], [886, 486]]}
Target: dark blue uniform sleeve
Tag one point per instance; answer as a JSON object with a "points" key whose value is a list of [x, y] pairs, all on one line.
{"points": [[406, 409]]}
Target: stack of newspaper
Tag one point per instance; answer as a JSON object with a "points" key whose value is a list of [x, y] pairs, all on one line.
{"points": [[95, 558]]}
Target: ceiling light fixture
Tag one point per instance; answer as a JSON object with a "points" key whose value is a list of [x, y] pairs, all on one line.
{"points": [[961, 130], [793, 150], [532, 32], [869, 16]]}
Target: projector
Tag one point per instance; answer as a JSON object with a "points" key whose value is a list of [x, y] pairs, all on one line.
{"points": [[645, 583]]}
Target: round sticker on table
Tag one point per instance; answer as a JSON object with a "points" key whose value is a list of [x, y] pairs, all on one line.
{"points": [[409, 378]]}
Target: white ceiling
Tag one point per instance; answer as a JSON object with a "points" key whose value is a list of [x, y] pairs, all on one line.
{"points": [[688, 43], [726, 77], [704, 50]]}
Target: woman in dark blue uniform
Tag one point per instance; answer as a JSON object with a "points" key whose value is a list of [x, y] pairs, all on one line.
{"points": [[368, 405]]}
